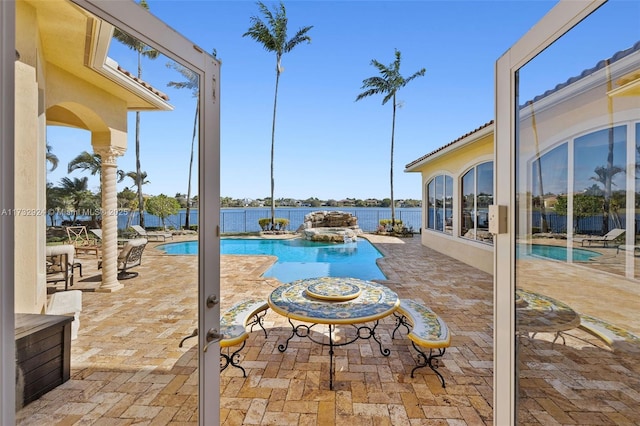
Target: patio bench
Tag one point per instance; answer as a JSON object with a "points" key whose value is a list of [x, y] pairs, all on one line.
{"points": [[233, 328], [614, 336], [427, 330]]}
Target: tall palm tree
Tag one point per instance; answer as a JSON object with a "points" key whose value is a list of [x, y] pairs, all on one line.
{"points": [[272, 34], [388, 84], [51, 158], [148, 52], [192, 82], [77, 190], [86, 161]]}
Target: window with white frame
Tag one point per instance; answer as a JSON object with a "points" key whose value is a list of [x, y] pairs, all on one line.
{"points": [[476, 196], [439, 215]]}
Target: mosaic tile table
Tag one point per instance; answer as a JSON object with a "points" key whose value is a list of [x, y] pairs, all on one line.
{"points": [[334, 301]]}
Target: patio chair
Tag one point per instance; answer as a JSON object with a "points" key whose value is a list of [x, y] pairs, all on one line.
{"points": [[129, 257], [152, 235], [79, 238], [604, 239], [61, 264]]}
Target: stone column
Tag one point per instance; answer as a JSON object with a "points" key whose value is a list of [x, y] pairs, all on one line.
{"points": [[109, 218]]}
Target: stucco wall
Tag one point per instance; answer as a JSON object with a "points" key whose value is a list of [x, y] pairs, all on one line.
{"points": [[455, 163], [30, 200]]}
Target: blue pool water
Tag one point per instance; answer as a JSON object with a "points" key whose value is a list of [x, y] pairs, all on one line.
{"points": [[298, 259], [557, 252]]}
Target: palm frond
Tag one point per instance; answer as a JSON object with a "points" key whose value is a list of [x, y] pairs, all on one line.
{"points": [[86, 161], [299, 37]]}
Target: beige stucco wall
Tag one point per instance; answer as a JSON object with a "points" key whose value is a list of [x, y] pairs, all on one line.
{"points": [[30, 173], [455, 163]]}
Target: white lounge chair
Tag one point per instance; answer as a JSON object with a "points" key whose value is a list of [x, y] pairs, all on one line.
{"points": [[152, 235], [604, 239]]}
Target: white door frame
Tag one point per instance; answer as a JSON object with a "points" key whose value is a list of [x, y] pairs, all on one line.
{"points": [[564, 16], [7, 328], [133, 19]]}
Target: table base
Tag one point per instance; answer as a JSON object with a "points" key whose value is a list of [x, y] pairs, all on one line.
{"points": [[362, 332]]}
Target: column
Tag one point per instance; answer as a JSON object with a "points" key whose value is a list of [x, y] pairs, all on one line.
{"points": [[109, 218]]}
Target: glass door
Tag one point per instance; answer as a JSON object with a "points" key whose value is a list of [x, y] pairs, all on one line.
{"points": [[124, 88], [566, 274]]}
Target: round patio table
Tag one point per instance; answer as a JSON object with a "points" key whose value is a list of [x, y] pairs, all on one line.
{"points": [[537, 313], [333, 301]]}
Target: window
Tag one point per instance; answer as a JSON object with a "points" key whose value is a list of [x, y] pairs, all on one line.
{"points": [[477, 196], [440, 204]]}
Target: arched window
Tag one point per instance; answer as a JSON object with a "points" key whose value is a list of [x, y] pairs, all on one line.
{"points": [[439, 215], [477, 196]]}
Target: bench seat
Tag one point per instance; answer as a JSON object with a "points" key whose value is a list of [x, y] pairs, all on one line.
{"points": [[425, 329], [233, 326], [615, 337]]}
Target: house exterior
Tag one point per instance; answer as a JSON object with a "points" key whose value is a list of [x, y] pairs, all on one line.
{"points": [[561, 170], [457, 188]]}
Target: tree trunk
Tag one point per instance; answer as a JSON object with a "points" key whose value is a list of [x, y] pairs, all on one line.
{"points": [[138, 172], [193, 138], [273, 140], [393, 130]]}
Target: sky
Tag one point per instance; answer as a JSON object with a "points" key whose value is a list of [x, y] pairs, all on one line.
{"points": [[327, 145]]}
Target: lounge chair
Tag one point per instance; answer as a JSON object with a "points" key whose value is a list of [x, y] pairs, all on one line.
{"points": [[129, 256], [152, 235], [79, 238], [604, 239]]}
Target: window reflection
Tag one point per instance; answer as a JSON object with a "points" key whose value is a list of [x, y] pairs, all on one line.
{"points": [[577, 197], [440, 209], [477, 196]]}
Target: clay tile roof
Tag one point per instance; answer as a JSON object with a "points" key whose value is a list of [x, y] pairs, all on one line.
{"points": [[424, 157], [144, 84]]}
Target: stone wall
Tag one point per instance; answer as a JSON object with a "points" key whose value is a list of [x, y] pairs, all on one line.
{"points": [[330, 226], [330, 219]]}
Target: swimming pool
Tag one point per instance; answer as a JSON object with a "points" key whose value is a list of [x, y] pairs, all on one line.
{"points": [[556, 252], [298, 258]]}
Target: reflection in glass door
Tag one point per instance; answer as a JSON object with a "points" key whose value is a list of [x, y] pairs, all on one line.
{"points": [[577, 251]]}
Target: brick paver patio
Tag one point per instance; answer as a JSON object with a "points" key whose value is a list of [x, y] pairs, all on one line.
{"points": [[127, 367]]}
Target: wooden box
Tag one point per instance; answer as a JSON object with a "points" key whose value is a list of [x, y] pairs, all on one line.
{"points": [[43, 352]]}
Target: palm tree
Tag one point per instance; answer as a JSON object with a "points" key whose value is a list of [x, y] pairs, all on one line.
{"points": [[134, 177], [192, 82], [388, 84], [149, 52], [77, 190], [273, 37], [51, 158], [86, 161]]}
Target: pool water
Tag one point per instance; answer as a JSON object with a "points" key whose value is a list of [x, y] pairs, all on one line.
{"points": [[298, 258], [556, 252]]}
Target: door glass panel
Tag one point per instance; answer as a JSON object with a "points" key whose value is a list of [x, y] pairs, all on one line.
{"points": [[468, 227], [577, 255], [134, 112]]}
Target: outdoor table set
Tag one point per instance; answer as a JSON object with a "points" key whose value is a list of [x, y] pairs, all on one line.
{"points": [[334, 301]]}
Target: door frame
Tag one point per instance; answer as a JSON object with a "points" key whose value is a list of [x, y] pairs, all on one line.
{"points": [[564, 16], [128, 16]]}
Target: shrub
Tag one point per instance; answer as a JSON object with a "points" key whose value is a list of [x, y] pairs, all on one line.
{"points": [[280, 223]]}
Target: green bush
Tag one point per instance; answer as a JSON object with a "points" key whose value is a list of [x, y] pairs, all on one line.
{"points": [[280, 223]]}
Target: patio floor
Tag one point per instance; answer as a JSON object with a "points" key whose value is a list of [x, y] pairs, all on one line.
{"points": [[127, 368]]}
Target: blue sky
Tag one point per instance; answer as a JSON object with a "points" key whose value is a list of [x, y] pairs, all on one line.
{"points": [[327, 145]]}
